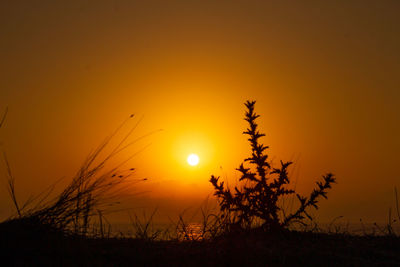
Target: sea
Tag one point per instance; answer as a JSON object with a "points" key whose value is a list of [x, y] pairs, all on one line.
{"points": [[194, 230]]}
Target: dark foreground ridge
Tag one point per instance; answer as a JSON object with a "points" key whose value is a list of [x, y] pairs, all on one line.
{"points": [[40, 246]]}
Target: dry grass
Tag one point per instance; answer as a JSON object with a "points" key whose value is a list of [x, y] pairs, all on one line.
{"points": [[79, 211], [95, 187]]}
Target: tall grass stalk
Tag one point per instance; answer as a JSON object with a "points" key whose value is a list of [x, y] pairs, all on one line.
{"points": [[144, 227], [92, 191], [11, 185], [3, 118]]}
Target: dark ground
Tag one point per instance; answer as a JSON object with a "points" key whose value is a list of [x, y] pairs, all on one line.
{"points": [[38, 246]]}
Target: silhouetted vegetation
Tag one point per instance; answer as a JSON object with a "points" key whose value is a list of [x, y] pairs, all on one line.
{"points": [[3, 118], [263, 187], [93, 189], [72, 230]]}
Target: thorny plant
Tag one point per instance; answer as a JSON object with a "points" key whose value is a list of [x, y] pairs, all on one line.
{"points": [[262, 188]]}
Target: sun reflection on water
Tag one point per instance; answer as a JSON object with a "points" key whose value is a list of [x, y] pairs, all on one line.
{"points": [[191, 231]]}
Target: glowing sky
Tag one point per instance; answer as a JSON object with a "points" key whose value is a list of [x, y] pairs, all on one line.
{"points": [[325, 74]]}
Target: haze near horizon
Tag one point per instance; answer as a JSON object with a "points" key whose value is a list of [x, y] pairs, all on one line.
{"points": [[325, 77]]}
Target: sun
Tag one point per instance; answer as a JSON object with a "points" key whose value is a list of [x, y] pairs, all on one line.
{"points": [[193, 159]]}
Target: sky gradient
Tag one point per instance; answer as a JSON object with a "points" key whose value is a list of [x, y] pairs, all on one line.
{"points": [[325, 75]]}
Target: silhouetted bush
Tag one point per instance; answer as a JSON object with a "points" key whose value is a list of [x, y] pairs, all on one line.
{"points": [[263, 187]]}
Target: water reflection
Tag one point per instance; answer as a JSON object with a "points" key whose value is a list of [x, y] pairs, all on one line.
{"points": [[191, 231]]}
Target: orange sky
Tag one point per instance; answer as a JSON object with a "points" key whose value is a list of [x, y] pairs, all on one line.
{"points": [[325, 76]]}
